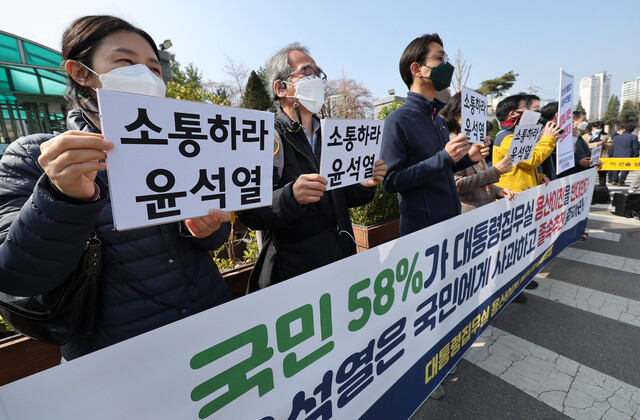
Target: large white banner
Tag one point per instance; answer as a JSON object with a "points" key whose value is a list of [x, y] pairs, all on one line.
{"points": [[174, 160], [564, 145], [368, 337], [350, 149]]}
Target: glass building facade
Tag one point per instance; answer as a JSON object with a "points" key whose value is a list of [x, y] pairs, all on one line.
{"points": [[32, 89]]}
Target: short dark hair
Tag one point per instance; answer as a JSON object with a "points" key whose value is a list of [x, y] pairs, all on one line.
{"points": [[451, 111], [597, 124], [508, 104], [531, 98], [416, 52], [489, 127], [549, 110], [83, 36], [578, 114], [629, 128]]}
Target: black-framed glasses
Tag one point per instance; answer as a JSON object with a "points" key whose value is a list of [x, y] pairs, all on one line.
{"points": [[308, 71]]}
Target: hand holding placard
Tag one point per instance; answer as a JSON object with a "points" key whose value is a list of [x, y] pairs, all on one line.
{"points": [[72, 161], [379, 172], [458, 147], [505, 165], [309, 188], [202, 227], [552, 129]]}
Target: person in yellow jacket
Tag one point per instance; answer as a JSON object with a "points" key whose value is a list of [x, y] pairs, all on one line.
{"points": [[524, 175]]}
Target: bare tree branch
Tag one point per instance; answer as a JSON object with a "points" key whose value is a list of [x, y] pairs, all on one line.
{"points": [[462, 71], [238, 73]]}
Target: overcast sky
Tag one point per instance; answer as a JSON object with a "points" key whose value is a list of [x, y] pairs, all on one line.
{"points": [[534, 39]]}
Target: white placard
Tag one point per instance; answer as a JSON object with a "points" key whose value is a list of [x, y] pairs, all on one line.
{"points": [[595, 155], [174, 159], [474, 115], [529, 117], [564, 145], [350, 149], [525, 138]]}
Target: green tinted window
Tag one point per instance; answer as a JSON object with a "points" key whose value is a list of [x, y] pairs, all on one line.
{"points": [[25, 82], [9, 49], [4, 81], [52, 87], [6, 98], [38, 56], [53, 75]]}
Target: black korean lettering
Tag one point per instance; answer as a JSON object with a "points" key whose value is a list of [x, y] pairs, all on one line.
{"points": [[187, 128], [350, 137], [249, 134], [335, 178], [220, 133], [204, 181], [242, 177], [335, 138], [143, 120], [163, 199]]}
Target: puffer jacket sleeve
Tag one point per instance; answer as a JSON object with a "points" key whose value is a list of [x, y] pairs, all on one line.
{"points": [[42, 236], [211, 242]]}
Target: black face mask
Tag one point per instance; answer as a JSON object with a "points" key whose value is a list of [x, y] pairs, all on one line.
{"points": [[441, 75]]}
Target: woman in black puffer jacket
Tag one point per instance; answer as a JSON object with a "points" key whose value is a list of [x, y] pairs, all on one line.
{"points": [[54, 192]]}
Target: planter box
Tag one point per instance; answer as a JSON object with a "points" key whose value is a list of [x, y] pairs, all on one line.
{"points": [[21, 356], [237, 280], [371, 236]]}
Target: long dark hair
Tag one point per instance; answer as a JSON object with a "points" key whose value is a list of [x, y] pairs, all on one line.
{"points": [[83, 36], [451, 111]]}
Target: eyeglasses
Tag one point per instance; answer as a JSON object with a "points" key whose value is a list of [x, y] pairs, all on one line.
{"points": [[308, 71], [444, 58]]}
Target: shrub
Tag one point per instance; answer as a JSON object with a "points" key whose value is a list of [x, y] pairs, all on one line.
{"points": [[383, 208]]}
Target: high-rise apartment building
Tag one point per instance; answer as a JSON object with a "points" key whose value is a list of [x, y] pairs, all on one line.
{"points": [[594, 94], [630, 91]]}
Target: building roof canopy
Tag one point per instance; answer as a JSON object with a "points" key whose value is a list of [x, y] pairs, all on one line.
{"points": [[28, 68]]}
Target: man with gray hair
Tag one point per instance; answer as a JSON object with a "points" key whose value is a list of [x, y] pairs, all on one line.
{"points": [[306, 227]]}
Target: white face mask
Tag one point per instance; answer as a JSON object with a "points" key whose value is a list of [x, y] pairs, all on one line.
{"points": [[582, 125], [132, 79], [597, 131], [310, 93]]}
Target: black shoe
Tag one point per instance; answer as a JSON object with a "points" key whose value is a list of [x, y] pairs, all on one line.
{"points": [[532, 285], [521, 298]]}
